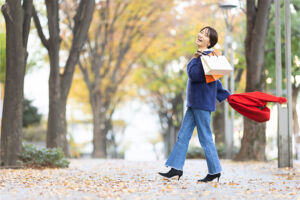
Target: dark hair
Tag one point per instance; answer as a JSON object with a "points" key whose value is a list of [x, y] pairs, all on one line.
{"points": [[213, 36]]}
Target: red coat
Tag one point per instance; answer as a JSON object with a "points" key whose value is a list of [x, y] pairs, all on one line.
{"points": [[253, 105]]}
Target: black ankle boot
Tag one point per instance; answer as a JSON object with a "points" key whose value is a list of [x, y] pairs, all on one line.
{"points": [[171, 173], [210, 177]]}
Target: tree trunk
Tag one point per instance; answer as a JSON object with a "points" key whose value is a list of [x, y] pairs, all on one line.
{"points": [[54, 115], [173, 137], [253, 144], [254, 137], [218, 125], [295, 93], [17, 20], [99, 140], [57, 121], [59, 84], [295, 121], [56, 132], [166, 138], [174, 119], [170, 137]]}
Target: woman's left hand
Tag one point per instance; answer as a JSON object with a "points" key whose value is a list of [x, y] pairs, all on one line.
{"points": [[197, 54]]}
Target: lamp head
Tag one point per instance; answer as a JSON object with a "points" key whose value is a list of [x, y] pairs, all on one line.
{"points": [[228, 5]]}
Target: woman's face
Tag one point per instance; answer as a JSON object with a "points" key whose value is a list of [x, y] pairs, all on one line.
{"points": [[202, 39]]}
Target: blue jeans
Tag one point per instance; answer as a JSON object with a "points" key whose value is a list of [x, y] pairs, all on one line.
{"points": [[200, 119]]}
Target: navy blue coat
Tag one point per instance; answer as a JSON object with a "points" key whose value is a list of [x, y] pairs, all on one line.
{"points": [[201, 95]]}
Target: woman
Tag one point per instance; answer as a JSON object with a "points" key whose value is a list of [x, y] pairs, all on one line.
{"points": [[201, 101]]}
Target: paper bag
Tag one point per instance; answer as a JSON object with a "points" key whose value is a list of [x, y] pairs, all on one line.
{"points": [[216, 65]]}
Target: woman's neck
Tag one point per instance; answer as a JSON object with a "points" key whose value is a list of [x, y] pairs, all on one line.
{"points": [[202, 48]]}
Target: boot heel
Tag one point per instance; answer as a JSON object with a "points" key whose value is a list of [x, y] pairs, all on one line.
{"points": [[179, 176], [210, 177]]}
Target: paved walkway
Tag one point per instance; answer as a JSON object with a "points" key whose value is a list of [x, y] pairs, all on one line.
{"points": [[119, 179]]}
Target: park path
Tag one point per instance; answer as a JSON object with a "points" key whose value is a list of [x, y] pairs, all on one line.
{"points": [[89, 179]]}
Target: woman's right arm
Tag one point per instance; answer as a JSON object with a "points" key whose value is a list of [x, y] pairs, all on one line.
{"points": [[195, 71], [222, 94]]}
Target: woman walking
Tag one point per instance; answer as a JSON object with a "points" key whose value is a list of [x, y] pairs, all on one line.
{"points": [[201, 101]]}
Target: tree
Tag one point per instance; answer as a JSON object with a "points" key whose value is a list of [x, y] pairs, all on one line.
{"points": [[114, 137], [254, 137], [160, 78], [2, 48], [60, 82], [164, 89], [29, 63], [121, 33], [162, 86], [17, 16]]}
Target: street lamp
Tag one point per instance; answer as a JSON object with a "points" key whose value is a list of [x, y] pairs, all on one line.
{"points": [[227, 5], [284, 131], [229, 125]]}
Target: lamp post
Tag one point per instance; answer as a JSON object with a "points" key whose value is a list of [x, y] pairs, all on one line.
{"points": [[284, 132], [288, 64], [228, 123]]}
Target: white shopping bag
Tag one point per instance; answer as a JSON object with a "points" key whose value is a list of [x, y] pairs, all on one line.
{"points": [[216, 65]]}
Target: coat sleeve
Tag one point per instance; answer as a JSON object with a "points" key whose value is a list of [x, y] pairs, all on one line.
{"points": [[222, 94], [195, 71]]}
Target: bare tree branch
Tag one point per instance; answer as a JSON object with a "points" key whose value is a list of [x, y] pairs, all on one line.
{"points": [[27, 7], [98, 64], [39, 28], [85, 75], [6, 12], [129, 66], [82, 20]]}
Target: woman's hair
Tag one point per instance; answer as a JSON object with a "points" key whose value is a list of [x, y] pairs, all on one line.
{"points": [[213, 36]]}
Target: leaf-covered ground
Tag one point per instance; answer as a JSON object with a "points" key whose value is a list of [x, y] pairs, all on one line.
{"points": [[120, 179]]}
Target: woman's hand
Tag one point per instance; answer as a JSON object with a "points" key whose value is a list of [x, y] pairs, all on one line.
{"points": [[197, 54]]}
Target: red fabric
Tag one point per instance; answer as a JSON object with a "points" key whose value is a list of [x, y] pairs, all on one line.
{"points": [[253, 104]]}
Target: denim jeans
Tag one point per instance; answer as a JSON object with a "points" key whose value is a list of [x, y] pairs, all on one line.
{"points": [[200, 119]]}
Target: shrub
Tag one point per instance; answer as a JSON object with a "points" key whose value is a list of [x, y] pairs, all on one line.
{"points": [[40, 158], [197, 152]]}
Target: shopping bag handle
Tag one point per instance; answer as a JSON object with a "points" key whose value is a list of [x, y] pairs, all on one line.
{"points": [[214, 53]]}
